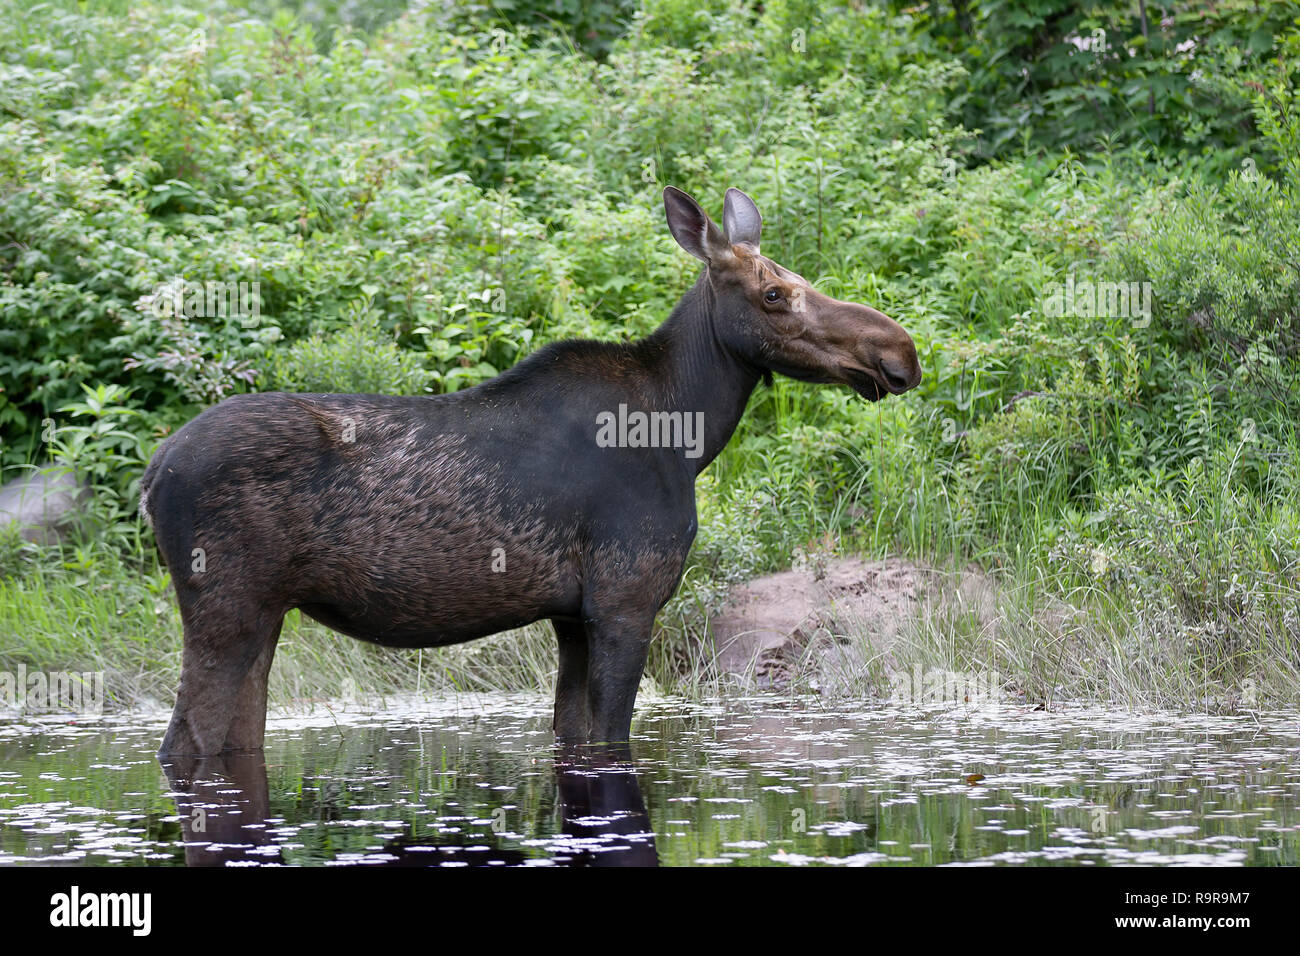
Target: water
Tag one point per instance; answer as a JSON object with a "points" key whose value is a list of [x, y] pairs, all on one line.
{"points": [[744, 782]]}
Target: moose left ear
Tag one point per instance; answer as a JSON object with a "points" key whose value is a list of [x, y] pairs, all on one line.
{"points": [[693, 229], [741, 220]]}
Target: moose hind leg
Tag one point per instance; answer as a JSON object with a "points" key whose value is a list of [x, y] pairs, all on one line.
{"points": [[572, 722], [248, 724], [221, 702]]}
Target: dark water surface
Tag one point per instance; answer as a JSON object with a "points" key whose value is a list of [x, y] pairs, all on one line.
{"points": [[752, 781]]}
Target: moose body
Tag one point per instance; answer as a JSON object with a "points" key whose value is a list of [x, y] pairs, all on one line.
{"points": [[426, 521]]}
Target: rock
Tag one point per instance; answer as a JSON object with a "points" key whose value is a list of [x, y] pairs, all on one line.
{"points": [[43, 504], [832, 628]]}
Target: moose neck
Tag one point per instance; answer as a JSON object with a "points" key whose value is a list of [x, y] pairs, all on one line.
{"points": [[701, 374]]}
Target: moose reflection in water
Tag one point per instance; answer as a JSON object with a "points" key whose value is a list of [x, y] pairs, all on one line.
{"points": [[226, 818]]}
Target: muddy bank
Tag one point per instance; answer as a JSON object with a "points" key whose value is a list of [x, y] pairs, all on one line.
{"points": [[834, 626]]}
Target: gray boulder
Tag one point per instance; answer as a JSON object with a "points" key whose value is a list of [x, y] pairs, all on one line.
{"points": [[43, 504]]}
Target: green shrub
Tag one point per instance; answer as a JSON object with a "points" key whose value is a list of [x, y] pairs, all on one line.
{"points": [[355, 358], [1203, 559], [1170, 73], [1223, 262]]}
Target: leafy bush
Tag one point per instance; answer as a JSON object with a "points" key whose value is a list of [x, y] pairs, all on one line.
{"points": [[107, 452], [356, 358], [1226, 267], [1203, 559], [1168, 73]]}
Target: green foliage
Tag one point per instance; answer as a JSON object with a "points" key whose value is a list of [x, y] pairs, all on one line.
{"points": [[103, 446], [202, 363], [1225, 263], [1173, 74], [414, 199], [357, 358], [591, 25], [1202, 558]]}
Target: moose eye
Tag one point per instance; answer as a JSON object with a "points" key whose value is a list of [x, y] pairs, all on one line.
{"points": [[773, 296]]}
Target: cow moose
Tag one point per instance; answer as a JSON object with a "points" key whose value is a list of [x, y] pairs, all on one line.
{"points": [[564, 488]]}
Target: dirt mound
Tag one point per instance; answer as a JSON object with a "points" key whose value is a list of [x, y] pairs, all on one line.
{"points": [[833, 625]]}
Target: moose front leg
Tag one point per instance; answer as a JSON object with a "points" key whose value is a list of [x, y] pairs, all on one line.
{"points": [[617, 647]]}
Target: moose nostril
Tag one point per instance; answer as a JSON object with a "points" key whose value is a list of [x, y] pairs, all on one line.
{"points": [[895, 374]]}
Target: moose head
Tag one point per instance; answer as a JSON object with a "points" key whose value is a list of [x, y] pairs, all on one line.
{"points": [[773, 319]]}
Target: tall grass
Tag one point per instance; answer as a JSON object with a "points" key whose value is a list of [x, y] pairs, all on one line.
{"points": [[120, 619]]}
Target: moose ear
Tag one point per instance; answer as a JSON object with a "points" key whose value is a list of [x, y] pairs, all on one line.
{"points": [[693, 229], [741, 220]]}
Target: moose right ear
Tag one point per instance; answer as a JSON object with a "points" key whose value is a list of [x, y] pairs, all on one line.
{"points": [[741, 220], [693, 229]]}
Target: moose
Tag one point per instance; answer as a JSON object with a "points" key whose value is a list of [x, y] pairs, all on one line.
{"points": [[424, 521]]}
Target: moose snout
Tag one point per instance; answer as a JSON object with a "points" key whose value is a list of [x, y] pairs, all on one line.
{"points": [[901, 373], [888, 352]]}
